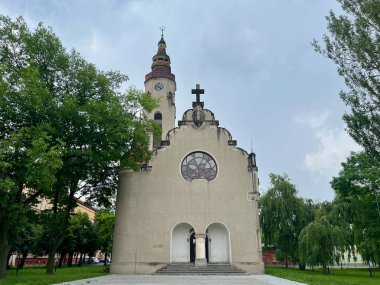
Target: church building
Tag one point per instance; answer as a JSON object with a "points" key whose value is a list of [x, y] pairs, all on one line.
{"points": [[195, 201]]}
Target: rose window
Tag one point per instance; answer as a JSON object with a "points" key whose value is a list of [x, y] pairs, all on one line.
{"points": [[198, 165]]}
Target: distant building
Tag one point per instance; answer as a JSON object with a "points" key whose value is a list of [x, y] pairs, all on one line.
{"points": [[270, 258], [83, 207]]}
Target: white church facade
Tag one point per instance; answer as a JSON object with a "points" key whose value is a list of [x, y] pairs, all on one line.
{"points": [[195, 200]]}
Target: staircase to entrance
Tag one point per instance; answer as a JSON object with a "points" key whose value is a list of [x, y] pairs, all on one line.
{"points": [[189, 269]]}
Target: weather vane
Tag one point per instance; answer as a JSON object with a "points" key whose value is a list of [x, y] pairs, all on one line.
{"points": [[162, 28]]}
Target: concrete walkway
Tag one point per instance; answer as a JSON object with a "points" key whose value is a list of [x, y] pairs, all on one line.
{"points": [[116, 279]]}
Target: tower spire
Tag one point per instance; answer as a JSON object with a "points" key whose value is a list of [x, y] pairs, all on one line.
{"points": [[162, 28], [161, 62]]}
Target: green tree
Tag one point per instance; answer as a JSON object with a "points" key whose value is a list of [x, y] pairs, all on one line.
{"points": [[80, 238], [84, 236], [105, 223], [317, 244], [28, 163], [282, 216], [67, 247], [354, 45], [24, 236], [328, 237], [59, 112], [358, 184]]}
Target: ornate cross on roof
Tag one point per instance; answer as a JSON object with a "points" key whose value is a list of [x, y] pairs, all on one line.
{"points": [[162, 28], [198, 91]]}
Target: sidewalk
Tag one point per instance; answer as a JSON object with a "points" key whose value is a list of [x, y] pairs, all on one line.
{"points": [[116, 279]]}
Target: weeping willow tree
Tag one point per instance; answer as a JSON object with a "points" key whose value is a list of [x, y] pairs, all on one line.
{"points": [[327, 239], [282, 216]]}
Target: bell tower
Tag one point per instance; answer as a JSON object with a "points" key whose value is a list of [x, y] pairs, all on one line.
{"points": [[160, 84]]}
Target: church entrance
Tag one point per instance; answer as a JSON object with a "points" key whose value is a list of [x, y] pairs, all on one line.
{"points": [[218, 248], [183, 244]]}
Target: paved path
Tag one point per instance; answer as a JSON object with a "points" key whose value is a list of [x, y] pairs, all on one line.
{"points": [[116, 279]]}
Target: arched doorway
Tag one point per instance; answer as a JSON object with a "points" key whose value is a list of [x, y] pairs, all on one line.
{"points": [[218, 237], [182, 246]]}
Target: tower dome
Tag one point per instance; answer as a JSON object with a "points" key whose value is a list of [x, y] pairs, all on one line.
{"points": [[161, 63]]}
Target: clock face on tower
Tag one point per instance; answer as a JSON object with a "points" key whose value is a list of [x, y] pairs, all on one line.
{"points": [[159, 86]]}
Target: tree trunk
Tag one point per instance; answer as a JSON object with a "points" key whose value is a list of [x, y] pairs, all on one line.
{"points": [[55, 241], [24, 256], [8, 259], [80, 260], [286, 263], [324, 269], [105, 259], [57, 237], [301, 266], [50, 263], [63, 255], [370, 269], [4, 247], [18, 263], [70, 259]]}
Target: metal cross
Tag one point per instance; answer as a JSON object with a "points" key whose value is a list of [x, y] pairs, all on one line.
{"points": [[162, 28], [198, 91]]}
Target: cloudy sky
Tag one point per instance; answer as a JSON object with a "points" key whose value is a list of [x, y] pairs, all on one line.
{"points": [[262, 78]]}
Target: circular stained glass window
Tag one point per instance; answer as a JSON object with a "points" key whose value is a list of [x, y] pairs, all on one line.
{"points": [[198, 165]]}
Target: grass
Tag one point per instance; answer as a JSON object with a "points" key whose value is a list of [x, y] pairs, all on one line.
{"points": [[336, 276], [37, 276]]}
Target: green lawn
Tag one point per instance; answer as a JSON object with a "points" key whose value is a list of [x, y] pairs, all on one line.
{"points": [[37, 276], [336, 276]]}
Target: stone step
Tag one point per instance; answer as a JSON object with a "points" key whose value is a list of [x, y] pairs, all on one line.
{"points": [[190, 269]]}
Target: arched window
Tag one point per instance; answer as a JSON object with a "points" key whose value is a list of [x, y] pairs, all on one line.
{"points": [[198, 165], [158, 118], [157, 137]]}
